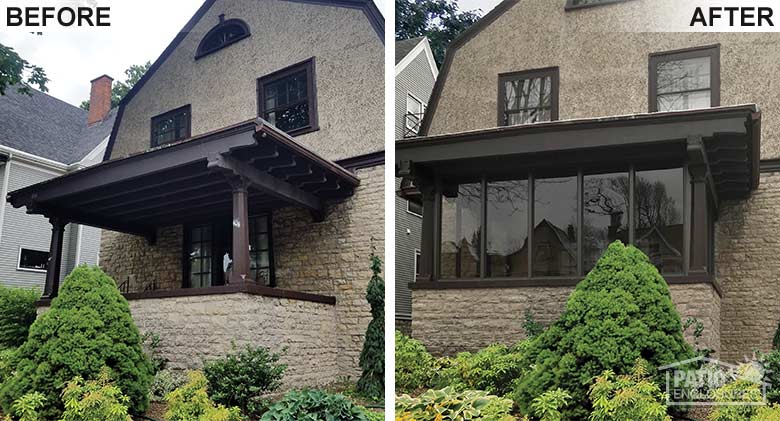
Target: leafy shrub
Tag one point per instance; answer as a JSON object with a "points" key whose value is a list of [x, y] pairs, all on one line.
{"points": [[191, 403], [492, 369], [87, 327], [94, 400], [164, 382], [17, 313], [372, 357], [745, 388], [26, 408], [620, 312], [531, 327], [628, 397], [448, 404], [767, 413], [548, 406], [315, 405], [151, 344], [770, 363], [7, 363], [414, 366], [243, 377]]}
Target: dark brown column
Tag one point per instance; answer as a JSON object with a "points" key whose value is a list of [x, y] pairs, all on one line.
{"points": [[426, 244], [240, 232], [52, 286], [699, 224]]}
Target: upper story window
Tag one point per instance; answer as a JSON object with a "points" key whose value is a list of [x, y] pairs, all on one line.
{"points": [[528, 97], [581, 4], [415, 109], [225, 33], [171, 126], [288, 100], [685, 79]]}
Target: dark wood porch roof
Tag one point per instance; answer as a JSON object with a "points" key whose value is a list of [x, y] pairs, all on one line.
{"points": [[190, 181], [725, 139]]}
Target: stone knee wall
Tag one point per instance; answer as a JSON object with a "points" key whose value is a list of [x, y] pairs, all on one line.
{"points": [[332, 258], [195, 328], [747, 258], [130, 258], [449, 321]]}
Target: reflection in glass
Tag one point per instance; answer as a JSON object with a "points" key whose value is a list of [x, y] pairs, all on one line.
{"points": [[507, 228], [659, 211], [527, 100], [555, 227], [605, 216], [460, 232], [259, 251], [200, 256], [684, 84]]}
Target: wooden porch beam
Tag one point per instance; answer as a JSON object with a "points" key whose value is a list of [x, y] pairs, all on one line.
{"points": [[52, 284]]}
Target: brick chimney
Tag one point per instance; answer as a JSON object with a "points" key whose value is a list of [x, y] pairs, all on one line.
{"points": [[99, 99]]}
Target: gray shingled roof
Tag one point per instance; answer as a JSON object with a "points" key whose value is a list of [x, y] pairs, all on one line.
{"points": [[48, 127], [402, 48]]}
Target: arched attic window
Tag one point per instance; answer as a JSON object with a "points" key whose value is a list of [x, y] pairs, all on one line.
{"points": [[225, 33]]}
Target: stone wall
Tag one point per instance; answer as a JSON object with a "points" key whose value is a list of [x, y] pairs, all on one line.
{"points": [[130, 258], [449, 321], [194, 329], [746, 257]]}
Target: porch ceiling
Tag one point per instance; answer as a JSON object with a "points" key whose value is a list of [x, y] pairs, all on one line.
{"points": [[190, 181], [729, 147]]}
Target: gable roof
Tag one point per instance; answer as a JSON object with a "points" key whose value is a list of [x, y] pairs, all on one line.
{"points": [[47, 127], [404, 47], [458, 42], [367, 6]]}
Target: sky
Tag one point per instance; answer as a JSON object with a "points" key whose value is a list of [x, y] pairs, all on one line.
{"points": [[74, 57]]}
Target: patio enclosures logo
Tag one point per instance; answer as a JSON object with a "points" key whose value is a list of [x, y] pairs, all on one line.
{"points": [[39, 16], [699, 382]]}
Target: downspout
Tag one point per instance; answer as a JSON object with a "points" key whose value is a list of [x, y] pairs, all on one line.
{"points": [[4, 192]]}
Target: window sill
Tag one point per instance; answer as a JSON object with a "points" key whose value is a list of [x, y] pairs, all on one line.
{"points": [[31, 270], [303, 130], [570, 6]]}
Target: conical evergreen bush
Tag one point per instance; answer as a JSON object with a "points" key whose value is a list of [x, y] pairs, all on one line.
{"points": [[87, 327], [620, 312]]}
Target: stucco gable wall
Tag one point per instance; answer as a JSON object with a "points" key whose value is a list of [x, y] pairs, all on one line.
{"points": [[222, 86], [603, 67]]}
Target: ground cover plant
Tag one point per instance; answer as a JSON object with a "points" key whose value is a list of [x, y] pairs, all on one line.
{"points": [[315, 405], [449, 404]]}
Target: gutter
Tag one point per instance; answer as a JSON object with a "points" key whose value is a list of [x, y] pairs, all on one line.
{"points": [[34, 159]]}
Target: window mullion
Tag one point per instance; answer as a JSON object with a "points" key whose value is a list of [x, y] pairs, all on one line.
{"points": [[530, 223], [483, 230], [580, 220], [631, 203]]}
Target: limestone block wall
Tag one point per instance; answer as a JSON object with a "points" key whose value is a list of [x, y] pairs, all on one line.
{"points": [[449, 321], [129, 258], [746, 257], [198, 328]]}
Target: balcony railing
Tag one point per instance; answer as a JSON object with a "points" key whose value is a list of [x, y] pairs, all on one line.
{"points": [[412, 123]]}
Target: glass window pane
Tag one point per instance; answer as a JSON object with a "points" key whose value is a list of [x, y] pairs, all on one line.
{"points": [[659, 217], [507, 228], [684, 75], [555, 227], [684, 101], [460, 232], [605, 216], [527, 100]]}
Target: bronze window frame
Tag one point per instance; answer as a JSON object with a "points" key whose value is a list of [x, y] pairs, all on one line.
{"points": [[202, 51], [309, 67], [187, 132], [552, 72], [654, 59]]}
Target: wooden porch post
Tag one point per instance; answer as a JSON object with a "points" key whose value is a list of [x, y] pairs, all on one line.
{"points": [[240, 232], [52, 286], [427, 247]]}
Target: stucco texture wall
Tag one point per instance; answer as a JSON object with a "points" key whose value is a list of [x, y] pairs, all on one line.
{"points": [[221, 87], [447, 323], [603, 60]]}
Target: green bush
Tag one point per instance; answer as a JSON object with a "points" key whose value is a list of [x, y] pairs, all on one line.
{"points": [[414, 366], [492, 369], [164, 382], [620, 312], [17, 313], [450, 405], [372, 357], [315, 405], [243, 377], [26, 408], [94, 400], [767, 413], [745, 388], [548, 406], [628, 397], [191, 403], [87, 327], [770, 363]]}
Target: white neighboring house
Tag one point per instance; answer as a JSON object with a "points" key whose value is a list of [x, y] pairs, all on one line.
{"points": [[42, 137], [415, 75]]}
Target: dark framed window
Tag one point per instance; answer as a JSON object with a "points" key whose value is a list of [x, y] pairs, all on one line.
{"points": [[225, 33], [461, 213], [260, 257], [171, 126], [288, 98], [32, 260], [529, 96], [684, 79], [200, 254], [583, 4], [417, 255], [415, 209]]}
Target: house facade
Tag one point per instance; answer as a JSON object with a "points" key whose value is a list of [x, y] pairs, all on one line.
{"points": [[556, 128], [240, 196], [43, 138], [415, 74]]}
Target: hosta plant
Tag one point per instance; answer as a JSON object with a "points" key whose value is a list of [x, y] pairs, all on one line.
{"points": [[315, 405], [450, 405]]}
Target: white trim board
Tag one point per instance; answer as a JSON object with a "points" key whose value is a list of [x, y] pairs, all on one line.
{"points": [[422, 46]]}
